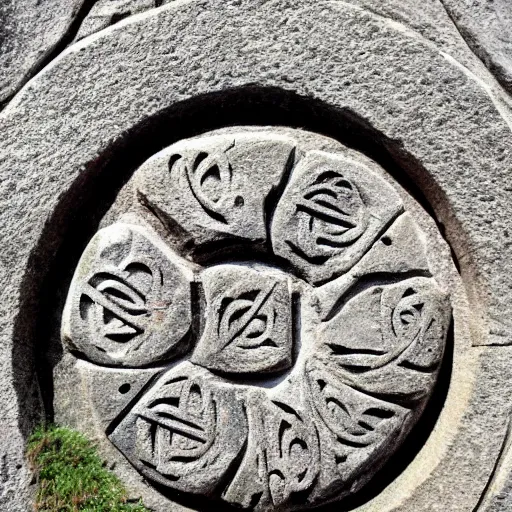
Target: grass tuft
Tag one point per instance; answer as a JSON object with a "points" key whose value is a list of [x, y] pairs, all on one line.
{"points": [[72, 477]]}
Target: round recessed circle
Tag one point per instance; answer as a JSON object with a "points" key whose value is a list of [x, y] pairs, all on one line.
{"points": [[300, 379]]}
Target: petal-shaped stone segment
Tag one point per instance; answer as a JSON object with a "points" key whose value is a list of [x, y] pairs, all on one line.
{"points": [[282, 459], [389, 339], [186, 432], [129, 303], [248, 320], [354, 428], [213, 190], [332, 211]]}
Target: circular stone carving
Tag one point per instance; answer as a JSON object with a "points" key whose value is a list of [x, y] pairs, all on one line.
{"points": [[289, 272]]}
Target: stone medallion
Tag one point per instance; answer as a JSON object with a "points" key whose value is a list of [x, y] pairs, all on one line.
{"points": [[272, 291], [260, 317]]}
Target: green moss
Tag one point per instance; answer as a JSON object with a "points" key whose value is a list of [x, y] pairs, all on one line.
{"points": [[72, 477]]}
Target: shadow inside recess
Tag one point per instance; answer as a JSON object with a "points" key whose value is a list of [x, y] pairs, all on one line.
{"points": [[80, 211]]}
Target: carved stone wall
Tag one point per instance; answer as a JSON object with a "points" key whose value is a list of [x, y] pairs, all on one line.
{"points": [[258, 251]]}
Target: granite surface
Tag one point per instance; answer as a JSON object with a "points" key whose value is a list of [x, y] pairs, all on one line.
{"points": [[417, 89]]}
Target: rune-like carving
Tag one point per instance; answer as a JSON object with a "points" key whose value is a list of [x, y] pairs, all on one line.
{"points": [[248, 320], [300, 293], [129, 302]]}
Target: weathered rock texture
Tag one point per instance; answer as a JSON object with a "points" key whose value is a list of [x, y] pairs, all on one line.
{"points": [[395, 82], [30, 30], [361, 353], [486, 27]]}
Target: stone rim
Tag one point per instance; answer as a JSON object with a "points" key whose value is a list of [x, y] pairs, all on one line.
{"points": [[480, 261]]}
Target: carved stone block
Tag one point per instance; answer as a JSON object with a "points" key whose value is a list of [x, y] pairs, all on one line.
{"points": [[389, 340], [332, 211], [282, 460], [186, 432], [249, 321], [356, 432], [129, 303], [212, 191], [399, 253], [272, 320]]}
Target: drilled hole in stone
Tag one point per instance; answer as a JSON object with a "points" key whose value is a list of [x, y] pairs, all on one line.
{"points": [[124, 388], [386, 240]]}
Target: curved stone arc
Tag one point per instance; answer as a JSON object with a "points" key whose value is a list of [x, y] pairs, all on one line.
{"points": [[31, 33], [105, 13], [69, 167], [484, 28], [463, 244]]}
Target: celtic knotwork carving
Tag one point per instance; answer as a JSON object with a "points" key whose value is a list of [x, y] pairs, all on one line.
{"points": [[211, 190], [353, 426], [186, 432], [336, 213], [210, 178], [300, 293], [351, 416], [293, 459], [393, 338], [248, 321], [129, 302], [282, 459], [330, 214]]}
